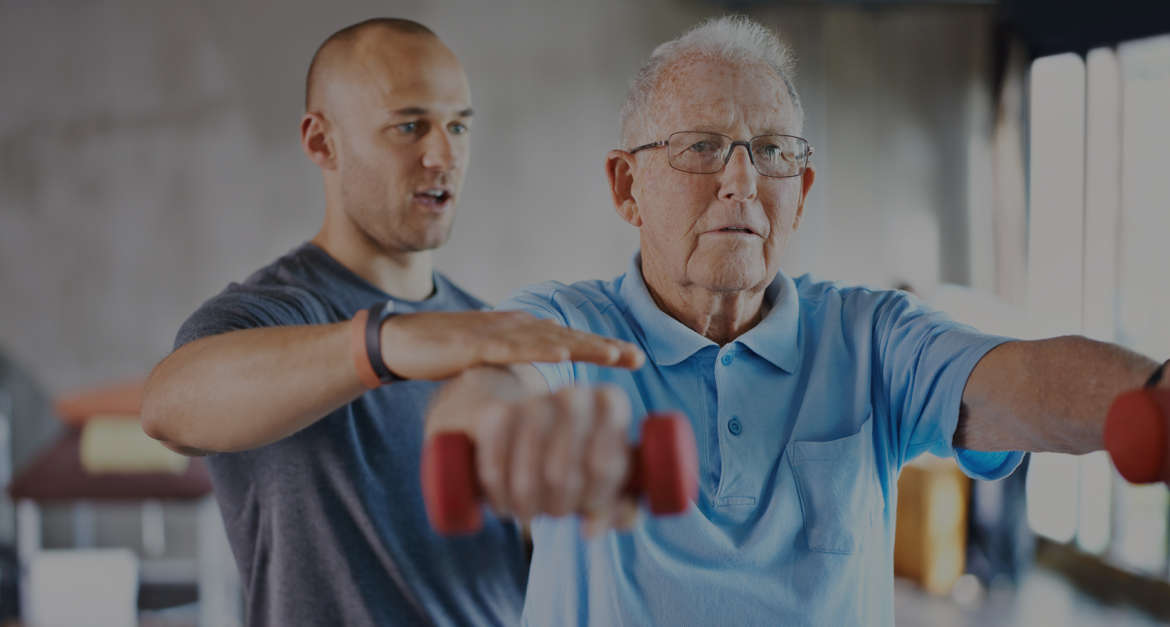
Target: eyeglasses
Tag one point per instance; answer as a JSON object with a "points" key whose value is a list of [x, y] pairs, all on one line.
{"points": [[777, 156]]}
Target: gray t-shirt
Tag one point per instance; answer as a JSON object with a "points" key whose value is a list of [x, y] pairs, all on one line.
{"points": [[327, 525]]}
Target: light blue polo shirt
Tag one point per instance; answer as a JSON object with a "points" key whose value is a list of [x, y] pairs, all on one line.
{"points": [[802, 425]]}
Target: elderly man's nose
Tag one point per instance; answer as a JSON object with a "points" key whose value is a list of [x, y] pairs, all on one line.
{"points": [[739, 176], [438, 153]]}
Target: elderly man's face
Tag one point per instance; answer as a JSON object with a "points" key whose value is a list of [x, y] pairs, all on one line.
{"points": [[723, 232]]}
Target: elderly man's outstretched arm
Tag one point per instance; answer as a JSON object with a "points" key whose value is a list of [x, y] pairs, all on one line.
{"points": [[1046, 395]]}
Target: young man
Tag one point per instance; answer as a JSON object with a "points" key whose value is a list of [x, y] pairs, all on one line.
{"points": [[291, 381]]}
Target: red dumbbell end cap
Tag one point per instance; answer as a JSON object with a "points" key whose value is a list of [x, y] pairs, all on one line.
{"points": [[1135, 436], [668, 463], [450, 488]]}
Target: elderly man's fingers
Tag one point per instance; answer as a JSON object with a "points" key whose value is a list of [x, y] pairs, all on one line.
{"points": [[563, 476], [594, 523], [526, 473], [626, 514], [556, 454], [607, 453], [622, 517], [494, 435]]}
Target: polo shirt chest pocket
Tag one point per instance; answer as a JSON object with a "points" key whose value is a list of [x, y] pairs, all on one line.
{"points": [[840, 497]]}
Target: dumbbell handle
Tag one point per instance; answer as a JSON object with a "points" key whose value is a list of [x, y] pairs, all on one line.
{"points": [[663, 468], [1136, 434]]}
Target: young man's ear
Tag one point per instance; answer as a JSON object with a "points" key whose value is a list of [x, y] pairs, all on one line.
{"points": [[806, 183], [619, 169], [317, 142]]}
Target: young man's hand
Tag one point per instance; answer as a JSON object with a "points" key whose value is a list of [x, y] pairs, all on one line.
{"points": [[439, 345]]}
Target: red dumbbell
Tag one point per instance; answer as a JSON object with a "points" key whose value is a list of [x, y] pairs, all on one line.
{"points": [[1136, 435], [664, 468]]}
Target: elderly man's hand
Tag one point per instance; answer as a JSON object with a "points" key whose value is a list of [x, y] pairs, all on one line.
{"points": [[438, 345], [556, 453]]}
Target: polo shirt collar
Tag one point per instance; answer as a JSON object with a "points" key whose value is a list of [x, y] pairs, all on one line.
{"points": [[669, 342]]}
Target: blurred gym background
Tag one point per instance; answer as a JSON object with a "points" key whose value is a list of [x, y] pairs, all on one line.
{"points": [[1004, 160]]}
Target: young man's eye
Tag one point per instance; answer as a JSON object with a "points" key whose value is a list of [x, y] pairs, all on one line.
{"points": [[407, 128], [458, 128]]}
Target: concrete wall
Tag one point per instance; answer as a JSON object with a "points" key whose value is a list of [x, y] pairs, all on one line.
{"points": [[149, 152]]}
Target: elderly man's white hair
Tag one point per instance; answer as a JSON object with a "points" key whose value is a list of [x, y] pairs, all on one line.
{"points": [[734, 39]]}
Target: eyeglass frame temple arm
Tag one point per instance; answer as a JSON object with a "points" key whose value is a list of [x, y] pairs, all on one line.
{"points": [[658, 144]]}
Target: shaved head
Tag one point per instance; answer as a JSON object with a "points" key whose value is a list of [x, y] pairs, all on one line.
{"points": [[335, 54], [387, 116]]}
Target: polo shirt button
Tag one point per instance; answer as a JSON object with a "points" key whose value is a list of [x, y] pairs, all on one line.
{"points": [[734, 426], [727, 359]]}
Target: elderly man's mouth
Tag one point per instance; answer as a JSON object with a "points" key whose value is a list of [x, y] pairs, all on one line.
{"points": [[733, 231]]}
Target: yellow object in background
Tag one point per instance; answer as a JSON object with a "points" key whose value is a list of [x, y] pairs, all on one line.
{"points": [[930, 539], [117, 444]]}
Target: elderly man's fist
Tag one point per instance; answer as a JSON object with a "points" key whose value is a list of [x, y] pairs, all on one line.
{"points": [[663, 468], [556, 454], [559, 453]]}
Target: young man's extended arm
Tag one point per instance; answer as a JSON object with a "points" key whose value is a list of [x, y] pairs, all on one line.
{"points": [[243, 389]]}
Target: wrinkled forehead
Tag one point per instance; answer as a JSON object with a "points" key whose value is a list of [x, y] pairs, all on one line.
{"points": [[739, 100]]}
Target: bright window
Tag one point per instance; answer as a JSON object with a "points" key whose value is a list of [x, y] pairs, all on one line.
{"points": [[1099, 219]]}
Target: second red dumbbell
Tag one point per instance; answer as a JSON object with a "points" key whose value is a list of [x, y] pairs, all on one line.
{"points": [[663, 468], [1136, 435]]}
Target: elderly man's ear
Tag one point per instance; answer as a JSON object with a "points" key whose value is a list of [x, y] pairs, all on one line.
{"points": [[806, 181], [619, 166]]}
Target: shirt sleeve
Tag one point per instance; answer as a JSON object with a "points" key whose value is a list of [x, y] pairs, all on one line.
{"points": [[925, 359], [243, 307], [540, 301]]}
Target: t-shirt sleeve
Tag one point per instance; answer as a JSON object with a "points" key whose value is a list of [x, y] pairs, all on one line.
{"points": [[540, 301], [246, 307], [925, 360]]}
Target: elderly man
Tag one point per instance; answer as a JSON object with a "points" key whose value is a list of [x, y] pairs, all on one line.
{"points": [[293, 377], [806, 398]]}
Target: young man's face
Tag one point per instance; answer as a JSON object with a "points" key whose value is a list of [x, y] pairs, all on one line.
{"points": [[402, 119]]}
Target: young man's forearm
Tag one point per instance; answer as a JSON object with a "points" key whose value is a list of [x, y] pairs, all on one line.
{"points": [[1046, 395], [243, 389]]}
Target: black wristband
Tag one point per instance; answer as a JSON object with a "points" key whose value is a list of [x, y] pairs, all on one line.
{"points": [[377, 315], [1156, 378]]}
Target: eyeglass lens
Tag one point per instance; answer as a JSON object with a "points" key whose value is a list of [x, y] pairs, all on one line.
{"points": [[704, 153]]}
